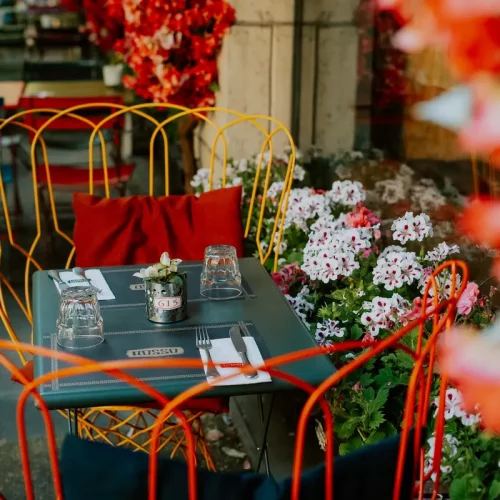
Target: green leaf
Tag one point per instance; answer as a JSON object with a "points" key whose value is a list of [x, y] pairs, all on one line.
{"points": [[344, 449], [379, 401], [356, 332], [494, 492], [346, 429], [459, 489], [351, 445], [365, 380], [374, 437], [405, 360], [295, 257], [376, 420], [214, 87], [369, 395]]}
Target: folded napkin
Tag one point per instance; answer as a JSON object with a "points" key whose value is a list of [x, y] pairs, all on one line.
{"points": [[228, 361], [96, 278]]}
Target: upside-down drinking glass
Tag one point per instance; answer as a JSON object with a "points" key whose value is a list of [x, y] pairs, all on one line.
{"points": [[220, 276], [79, 324]]}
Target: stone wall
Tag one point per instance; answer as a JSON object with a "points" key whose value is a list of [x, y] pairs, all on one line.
{"points": [[256, 73]]}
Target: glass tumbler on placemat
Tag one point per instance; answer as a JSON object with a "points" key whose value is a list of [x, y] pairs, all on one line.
{"points": [[220, 276], [79, 324]]}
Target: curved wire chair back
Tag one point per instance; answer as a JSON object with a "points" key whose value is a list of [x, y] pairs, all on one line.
{"points": [[258, 210], [432, 323]]}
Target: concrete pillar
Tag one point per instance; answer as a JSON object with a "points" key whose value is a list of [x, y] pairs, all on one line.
{"points": [[256, 67]]}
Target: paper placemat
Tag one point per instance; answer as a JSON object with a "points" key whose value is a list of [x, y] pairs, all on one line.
{"points": [[96, 278]]}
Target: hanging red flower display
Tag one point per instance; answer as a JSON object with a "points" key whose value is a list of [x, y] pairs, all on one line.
{"points": [[172, 48]]}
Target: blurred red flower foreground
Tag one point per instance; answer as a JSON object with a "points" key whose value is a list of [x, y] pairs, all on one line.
{"points": [[470, 359]]}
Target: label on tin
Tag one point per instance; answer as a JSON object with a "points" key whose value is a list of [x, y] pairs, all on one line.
{"points": [[168, 303]]}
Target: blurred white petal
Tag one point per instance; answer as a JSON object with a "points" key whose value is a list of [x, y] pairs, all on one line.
{"points": [[451, 109]]}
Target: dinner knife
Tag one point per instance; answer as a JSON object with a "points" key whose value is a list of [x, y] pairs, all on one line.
{"points": [[241, 348]]}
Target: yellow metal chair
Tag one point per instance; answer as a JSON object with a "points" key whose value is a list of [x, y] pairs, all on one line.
{"points": [[119, 425]]}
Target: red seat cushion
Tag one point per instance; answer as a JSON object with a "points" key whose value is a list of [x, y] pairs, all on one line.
{"points": [[70, 176], [137, 229], [210, 405]]}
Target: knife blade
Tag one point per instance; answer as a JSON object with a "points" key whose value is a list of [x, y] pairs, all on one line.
{"points": [[241, 348]]}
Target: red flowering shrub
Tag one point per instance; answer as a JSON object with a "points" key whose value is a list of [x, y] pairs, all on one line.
{"points": [[172, 48]]}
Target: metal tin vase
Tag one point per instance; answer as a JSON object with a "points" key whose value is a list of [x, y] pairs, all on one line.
{"points": [[167, 302]]}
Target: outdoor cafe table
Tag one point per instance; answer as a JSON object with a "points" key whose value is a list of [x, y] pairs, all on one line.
{"points": [[128, 333], [80, 88]]}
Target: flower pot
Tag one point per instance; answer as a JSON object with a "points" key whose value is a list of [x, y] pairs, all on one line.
{"points": [[112, 74], [167, 302]]}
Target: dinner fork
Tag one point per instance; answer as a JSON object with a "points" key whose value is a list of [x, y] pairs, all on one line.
{"points": [[244, 329], [203, 342]]}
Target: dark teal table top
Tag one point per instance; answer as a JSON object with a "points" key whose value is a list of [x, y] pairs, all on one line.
{"points": [[271, 321]]}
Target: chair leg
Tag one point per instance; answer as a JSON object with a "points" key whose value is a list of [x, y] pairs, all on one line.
{"points": [[48, 242], [18, 209]]}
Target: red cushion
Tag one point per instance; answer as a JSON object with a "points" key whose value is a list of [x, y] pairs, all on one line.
{"points": [[70, 176], [210, 405], [137, 229]]}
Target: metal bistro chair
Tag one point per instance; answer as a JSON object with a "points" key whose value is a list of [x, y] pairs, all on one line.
{"points": [[105, 423], [407, 470]]}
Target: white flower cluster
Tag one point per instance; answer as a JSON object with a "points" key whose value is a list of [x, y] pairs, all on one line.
{"points": [[201, 179], [202, 176], [454, 408], [391, 190], [383, 313], [326, 330], [304, 205], [275, 190], [348, 193], [412, 227], [450, 450], [443, 284], [331, 253], [426, 196], [441, 252], [397, 268], [301, 305]]}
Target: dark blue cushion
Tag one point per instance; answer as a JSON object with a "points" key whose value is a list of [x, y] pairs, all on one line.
{"points": [[99, 471]]}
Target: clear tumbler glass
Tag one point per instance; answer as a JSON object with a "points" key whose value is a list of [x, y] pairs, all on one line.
{"points": [[79, 324], [220, 276]]}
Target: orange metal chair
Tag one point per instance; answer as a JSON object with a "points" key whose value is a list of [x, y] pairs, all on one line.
{"points": [[416, 412], [136, 423]]}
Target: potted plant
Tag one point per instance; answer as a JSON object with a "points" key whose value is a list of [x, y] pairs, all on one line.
{"points": [[113, 71], [166, 290]]}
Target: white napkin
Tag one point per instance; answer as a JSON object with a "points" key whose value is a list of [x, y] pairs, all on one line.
{"points": [[96, 278], [223, 353]]}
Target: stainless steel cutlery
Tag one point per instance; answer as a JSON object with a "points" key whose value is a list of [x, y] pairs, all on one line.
{"points": [[236, 334], [241, 348], [57, 278], [203, 342]]}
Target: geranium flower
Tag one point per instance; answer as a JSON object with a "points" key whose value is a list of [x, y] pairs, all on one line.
{"points": [[441, 252], [328, 328], [468, 298], [453, 404], [362, 217], [371, 322], [416, 312]]}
